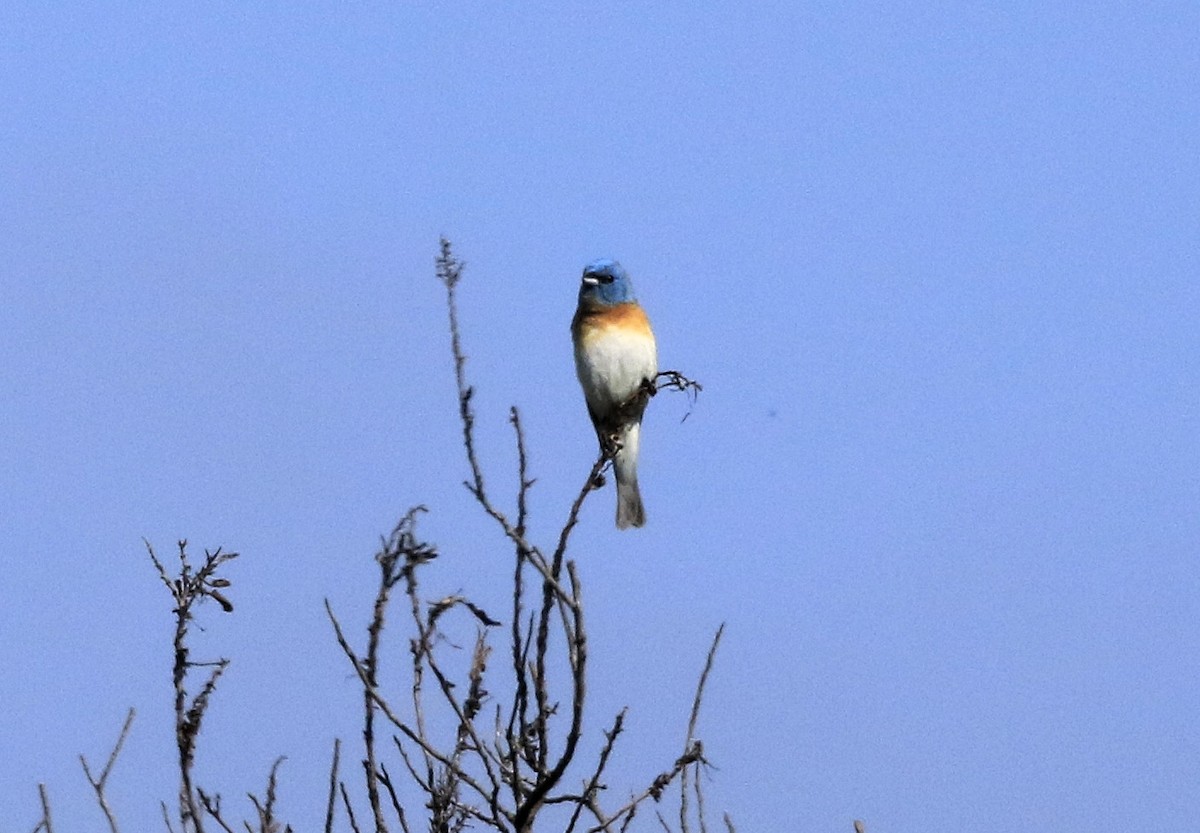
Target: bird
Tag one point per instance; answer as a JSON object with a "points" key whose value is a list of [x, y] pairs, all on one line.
{"points": [[616, 359]]}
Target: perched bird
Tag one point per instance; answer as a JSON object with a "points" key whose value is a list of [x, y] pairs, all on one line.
{"points": [[616, 360]]}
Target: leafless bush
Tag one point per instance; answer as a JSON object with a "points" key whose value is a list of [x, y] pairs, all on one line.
{"points": [[502, 763], [468, 757]]}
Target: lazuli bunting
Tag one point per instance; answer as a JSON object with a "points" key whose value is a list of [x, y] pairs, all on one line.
{"points": [[616, 360]]}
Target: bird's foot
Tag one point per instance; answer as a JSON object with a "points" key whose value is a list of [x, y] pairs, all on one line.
{"points": [[610, 443]]}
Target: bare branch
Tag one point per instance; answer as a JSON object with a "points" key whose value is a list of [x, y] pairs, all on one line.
{"points": [[700, 800], [708, 664], [578, 647], [593, 785], [674, 380], [266, 809], [349, 808], [449, 272], [386, 709], [189, 589], [523, 481], [99, 784], [408, 764], [212, 806], [333, 782], [385, 778], [689, 742], [655, 790], [46, 823]]}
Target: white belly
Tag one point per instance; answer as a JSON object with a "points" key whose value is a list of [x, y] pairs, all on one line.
{"points": [[611, 366]]}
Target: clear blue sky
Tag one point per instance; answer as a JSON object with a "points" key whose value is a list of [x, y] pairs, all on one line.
{"points": [[935, 264]]}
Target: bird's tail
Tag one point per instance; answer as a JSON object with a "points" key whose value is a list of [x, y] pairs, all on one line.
{"points": [[630, 511]]}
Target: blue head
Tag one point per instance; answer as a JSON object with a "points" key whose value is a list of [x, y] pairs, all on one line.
{"points": [[605, 283]]}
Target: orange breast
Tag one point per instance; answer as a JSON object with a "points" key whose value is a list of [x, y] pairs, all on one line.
{"points": [[626, 318]]}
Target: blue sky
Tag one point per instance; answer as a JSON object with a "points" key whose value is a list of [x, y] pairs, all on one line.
{"points": [[935, 264]]}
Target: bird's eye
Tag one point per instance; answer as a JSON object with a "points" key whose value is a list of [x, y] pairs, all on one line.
{"points": [[606, 279]]}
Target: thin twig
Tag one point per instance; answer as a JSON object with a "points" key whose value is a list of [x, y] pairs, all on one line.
{"points": [[518, 714], [99, 784], [593, 784], [541, 694], [699, 799], [655, 790], [190, 588], [674, 380], [408, 764], [708, 664], [524, 483], [266, 809], [333, 782], [465, 721], [385, 778], [386, 709], [349, 808], [370, 665], [46, 824], [690, 741], [578, 647], [449, 272], [212, 805]]}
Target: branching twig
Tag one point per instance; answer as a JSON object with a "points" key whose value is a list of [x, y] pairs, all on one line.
{"points": [[655, 790], [690, 741], [693, 756], [212, 806], [398, 559], [588, 799], [385, 708], [449, 271], [674, 380], [191, 587], [266, 809], [46, 823], [99, 784]]}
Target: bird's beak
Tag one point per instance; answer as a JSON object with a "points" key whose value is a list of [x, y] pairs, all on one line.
{"points": [[590, 281]]}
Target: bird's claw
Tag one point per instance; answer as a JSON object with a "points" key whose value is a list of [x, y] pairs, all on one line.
{"points": [[610, 443]]}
